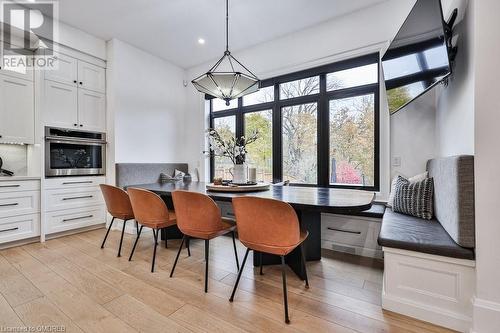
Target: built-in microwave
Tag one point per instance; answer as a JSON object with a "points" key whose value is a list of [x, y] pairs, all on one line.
{"points": [[74, 153]]}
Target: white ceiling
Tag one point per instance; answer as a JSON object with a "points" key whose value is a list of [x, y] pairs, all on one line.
{"points": [[170, 29]]}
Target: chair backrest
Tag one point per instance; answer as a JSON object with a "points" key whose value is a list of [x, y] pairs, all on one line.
{"points": [[117, 201], [148, 207], [196, 212], [266, 222]]}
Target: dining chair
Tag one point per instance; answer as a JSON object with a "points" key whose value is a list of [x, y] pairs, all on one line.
{"points": [[268, 226], [198, 216], [118, 206], [151, 212]]}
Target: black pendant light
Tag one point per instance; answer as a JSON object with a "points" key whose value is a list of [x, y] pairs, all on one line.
{"points": [[228, 78]]}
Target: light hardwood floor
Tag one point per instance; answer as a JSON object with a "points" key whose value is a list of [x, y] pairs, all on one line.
{"points": [[71, 282]]}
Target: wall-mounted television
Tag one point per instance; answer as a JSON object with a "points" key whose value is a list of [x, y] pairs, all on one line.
{"points": [[419, 56]]}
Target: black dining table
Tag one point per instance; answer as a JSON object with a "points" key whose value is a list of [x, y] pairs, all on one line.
{"points": [[308, 202]]}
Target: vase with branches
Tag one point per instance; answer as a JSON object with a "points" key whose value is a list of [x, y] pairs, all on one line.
{"points": [[235, 149]]}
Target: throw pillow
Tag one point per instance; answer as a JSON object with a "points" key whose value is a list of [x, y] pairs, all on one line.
{"points": [[415, 199], [413, 179]]}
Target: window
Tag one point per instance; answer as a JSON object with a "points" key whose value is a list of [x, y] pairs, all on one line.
{"points": [[263, 95], [300, 125], [226, 126], [352, 139], [260, 153], [318, 127], [298, 88]]}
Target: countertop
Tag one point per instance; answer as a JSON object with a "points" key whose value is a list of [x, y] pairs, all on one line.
{"points": [[16, 178]]}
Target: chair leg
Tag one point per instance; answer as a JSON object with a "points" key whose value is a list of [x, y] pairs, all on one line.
{"points": [[177, 257], [135, 243], [235, 252], [165, 231], [107, 232], [187, 246], [260, 259], [285, 298], [206, 264], [304, 263], [239, 275], [155, 234], [137, 226], [121, 239]]}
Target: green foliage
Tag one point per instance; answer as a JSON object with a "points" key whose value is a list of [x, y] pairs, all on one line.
{"points": [[397, 97]]}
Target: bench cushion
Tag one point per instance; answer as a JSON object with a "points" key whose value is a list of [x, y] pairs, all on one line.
{"points": [[454, 196], [376, 211], [415, 234], [144, 173]]}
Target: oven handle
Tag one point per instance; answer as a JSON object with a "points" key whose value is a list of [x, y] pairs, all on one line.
{"points": [[76, 140]]}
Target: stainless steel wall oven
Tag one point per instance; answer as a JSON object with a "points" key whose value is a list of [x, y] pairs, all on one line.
{"points": [[74, 153]]}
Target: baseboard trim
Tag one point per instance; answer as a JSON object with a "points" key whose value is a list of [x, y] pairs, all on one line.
{"points": [[486, 316], [427, 313]]}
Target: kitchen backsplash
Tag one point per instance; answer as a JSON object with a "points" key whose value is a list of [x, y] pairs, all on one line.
{"points": [[15, 158]]}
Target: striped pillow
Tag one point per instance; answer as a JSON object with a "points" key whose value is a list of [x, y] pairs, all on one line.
{"points": [[415, 199]]}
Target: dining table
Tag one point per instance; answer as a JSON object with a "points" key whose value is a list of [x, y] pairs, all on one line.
{"points": [[308, 202]]}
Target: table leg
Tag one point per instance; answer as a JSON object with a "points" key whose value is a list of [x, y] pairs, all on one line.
{"points": [[310, 221]]}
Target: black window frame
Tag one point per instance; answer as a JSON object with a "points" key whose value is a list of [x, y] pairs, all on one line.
{"points": [[323, 126]]}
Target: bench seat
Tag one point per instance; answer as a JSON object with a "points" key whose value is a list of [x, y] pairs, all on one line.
{"points": [[415, 234], [376, 211]]}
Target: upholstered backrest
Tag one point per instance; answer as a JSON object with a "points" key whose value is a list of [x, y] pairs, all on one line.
{"points": [[145, 173], [454, 196]]}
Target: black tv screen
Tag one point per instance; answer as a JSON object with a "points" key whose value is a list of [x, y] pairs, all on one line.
{"points": [[417, 58]]}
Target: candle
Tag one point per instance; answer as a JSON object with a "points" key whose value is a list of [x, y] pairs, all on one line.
{"points": [[252, 175]]}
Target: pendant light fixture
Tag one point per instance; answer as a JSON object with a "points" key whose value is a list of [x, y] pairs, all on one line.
{"points": [[228, 78]]}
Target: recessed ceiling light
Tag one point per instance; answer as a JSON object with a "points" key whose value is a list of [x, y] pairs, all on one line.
{"points": [[201, 41]]}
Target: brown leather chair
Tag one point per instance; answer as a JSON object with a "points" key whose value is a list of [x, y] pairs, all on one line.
{"points": [[118, 206], [198, 216], [268, 226], [150, 211]]}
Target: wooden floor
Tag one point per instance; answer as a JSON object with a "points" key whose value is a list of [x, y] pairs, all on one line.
{"points": [[71, 282]]}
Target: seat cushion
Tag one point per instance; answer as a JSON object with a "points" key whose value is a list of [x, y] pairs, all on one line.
{"points": [[377, 211], [416, 234]]}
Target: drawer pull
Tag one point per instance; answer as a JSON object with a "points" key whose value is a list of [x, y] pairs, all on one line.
{"points": [[82, 197], [7, 186], [9, 204], [11, 229], [82, 182], [347, 231], [78, 218]]}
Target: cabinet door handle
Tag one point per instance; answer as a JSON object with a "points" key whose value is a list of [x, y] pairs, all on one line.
{"points": [[11, 229], [9, 186], [78, 218], [346, 231], [82, 197], [10, 204], [82, 182], [74, 81], [81, 83]]}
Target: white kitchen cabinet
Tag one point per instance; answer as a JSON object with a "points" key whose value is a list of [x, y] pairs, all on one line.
{"points": [[91, 77], [15, 63], [60, 105], [91, 110], [17, 110], [65, 70]]}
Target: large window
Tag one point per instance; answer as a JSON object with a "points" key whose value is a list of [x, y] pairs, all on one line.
{"points": [[318, 127]]}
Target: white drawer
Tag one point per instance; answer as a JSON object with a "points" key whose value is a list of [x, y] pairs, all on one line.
{"points": [[350, 230], [72, 182], [19, 227], [58, 199], [74, 218], [19, 185], [19, 203]]}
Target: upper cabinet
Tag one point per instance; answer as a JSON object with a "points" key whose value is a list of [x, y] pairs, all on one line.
{"points": [[91, 77], [16, 63], [65, 70], [17, 112], [74, 95]]}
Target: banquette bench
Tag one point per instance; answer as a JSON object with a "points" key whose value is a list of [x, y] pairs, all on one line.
{"points": [[429, 265]]}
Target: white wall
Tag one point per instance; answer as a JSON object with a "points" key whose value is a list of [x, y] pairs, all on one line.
{"points": [[487, 162], [146, 105], [352, 35], [455, 103]]}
